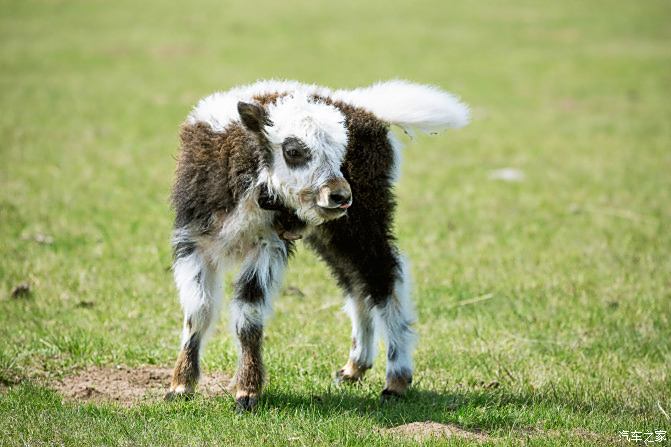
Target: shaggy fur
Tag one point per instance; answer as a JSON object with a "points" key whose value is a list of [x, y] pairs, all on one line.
{"points": [[264, 165]]}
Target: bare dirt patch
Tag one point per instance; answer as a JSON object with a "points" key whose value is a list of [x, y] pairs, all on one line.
{"points": [[420, 431], [128, 386]]}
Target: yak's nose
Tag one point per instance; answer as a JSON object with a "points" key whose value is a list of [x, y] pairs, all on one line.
{"points": [[341, 197], [336, 193]]}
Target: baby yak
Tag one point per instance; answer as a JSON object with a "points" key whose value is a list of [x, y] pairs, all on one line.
{"points": [[263, 165]]}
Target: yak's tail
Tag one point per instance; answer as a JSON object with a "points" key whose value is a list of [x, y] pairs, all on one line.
{"points": [[410, 106]]}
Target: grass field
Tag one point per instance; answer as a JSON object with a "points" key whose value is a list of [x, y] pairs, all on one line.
{"points": [[557, 287]]}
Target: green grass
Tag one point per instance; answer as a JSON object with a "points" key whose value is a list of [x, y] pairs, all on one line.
{"points": [[575, 257]]}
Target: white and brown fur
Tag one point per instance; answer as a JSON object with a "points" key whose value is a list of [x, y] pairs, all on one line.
{"points": [[265, 164]]}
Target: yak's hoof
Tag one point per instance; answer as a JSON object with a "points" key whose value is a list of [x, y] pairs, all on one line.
{"points": [[246, 403], [340, 377], [390, 395], [177, 395], [352, 372]]}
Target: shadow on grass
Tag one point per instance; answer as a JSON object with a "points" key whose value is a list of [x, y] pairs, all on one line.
{"points": [[485, 410], [417, 406]]}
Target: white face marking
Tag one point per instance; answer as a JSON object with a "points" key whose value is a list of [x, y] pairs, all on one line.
{"points": [[321, 128]]}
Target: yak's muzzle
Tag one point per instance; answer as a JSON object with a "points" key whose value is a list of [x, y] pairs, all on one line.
{"points": [[335, 194]]}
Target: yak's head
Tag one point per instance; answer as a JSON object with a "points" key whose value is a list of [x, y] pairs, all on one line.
{"points": [[304, 143]]}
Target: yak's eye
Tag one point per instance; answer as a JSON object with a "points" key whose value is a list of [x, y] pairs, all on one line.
{"points": [[293, 153], [296, 154]]}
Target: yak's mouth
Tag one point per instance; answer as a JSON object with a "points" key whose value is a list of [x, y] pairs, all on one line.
{"points": [[332, 213], [336, 206], [309, 203]]}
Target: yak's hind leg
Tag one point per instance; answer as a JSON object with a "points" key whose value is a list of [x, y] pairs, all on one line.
{"points": [[377, 282], [362, 352], [396, 315], [199, 284], [254, 289]]}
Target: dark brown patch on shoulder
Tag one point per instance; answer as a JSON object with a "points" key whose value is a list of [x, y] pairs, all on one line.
{"points": [[214, 170], [269, 98]]}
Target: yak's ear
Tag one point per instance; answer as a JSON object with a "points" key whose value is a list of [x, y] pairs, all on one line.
{"points": [[253, 116]]}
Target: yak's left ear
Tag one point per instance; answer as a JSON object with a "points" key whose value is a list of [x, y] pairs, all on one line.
{"points": [[253, 116]]}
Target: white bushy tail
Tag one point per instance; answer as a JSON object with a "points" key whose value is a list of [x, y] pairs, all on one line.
{"points": [[410, 106]]}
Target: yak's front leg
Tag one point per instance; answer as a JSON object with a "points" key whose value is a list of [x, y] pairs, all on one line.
{"points": [[254, 290], [199, 284]]}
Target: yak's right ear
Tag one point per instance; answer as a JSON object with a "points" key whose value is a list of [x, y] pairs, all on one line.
{"points": [[252, 116]]}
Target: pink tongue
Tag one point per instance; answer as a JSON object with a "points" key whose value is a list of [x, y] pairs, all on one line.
{"points": [[347, 205]]}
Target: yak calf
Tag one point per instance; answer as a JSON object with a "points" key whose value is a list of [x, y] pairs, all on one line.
{"points": [[263, 165]]}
